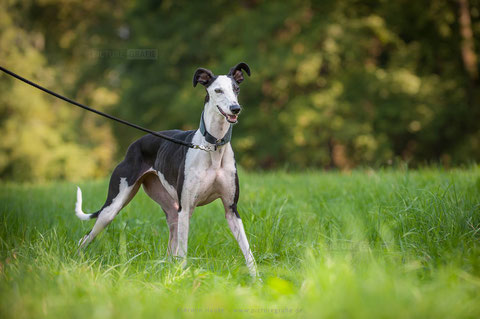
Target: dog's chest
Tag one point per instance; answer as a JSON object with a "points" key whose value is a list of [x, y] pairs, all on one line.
{"points": [[210, 176]]}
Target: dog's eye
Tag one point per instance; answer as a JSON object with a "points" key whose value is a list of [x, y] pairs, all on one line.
{"points": [[219, 91]]}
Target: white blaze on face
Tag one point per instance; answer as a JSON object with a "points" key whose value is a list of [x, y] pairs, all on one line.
{"points": [[226, 97]]}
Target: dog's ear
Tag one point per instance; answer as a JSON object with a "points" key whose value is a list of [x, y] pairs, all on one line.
{"points": [[203, 76], [236, 72]]}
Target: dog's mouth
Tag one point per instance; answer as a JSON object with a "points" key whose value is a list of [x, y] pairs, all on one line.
{"points": [[230, 118]]}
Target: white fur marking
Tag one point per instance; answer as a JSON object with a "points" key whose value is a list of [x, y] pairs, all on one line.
{"points": [[169, 188], [119, 200], [227, 98], [108, 213], [78, 206]]}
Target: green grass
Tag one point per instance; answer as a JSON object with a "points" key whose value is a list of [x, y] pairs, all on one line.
{"points": [[367, 244]]}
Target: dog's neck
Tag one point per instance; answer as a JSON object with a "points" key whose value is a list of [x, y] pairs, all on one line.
{"points": [[215, 123]]}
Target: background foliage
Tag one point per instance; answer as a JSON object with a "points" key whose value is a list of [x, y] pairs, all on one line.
{"points": [[335, 84]]}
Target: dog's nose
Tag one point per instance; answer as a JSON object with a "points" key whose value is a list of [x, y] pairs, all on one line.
{"points": [[235, 109]]}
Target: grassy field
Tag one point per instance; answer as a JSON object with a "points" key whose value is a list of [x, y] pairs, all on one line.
{"points": [[365, 244]]}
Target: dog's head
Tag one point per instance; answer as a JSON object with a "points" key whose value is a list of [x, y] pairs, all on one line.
{"points": [[222, 90]]}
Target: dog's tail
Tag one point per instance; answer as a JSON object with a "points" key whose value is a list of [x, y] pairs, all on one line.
{"points": [[78, 208]]}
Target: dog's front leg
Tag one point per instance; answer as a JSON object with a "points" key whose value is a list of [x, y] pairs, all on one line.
{"points": [[236, 226], [182, 233]]}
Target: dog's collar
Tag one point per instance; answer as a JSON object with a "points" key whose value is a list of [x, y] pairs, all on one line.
{"points": [[212, 139]]}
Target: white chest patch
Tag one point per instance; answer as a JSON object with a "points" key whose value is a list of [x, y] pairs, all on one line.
{"points": [[208, 175]]}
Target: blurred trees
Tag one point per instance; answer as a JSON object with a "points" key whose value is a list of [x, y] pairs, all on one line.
{"points": [[41, 137], [334, 83]]}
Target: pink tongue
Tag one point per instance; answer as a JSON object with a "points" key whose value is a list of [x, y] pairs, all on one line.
{"points": [[232, 117]]}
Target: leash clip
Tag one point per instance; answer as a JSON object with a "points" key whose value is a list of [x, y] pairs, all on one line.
{"points": [[206, 148]]}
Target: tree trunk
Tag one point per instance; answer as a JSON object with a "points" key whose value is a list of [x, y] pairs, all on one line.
{"points": [[468, 51]]}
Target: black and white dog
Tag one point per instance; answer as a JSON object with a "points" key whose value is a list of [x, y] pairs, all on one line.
{"points": [[180, 178]]}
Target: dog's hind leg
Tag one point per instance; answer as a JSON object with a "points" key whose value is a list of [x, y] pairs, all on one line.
{"points": [[120, 192], [155, 189]]}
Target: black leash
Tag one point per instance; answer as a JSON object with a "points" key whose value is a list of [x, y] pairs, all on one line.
{"points": [[168, 138]]}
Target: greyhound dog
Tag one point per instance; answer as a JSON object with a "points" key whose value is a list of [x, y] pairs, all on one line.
{"points": [[179, 178]]}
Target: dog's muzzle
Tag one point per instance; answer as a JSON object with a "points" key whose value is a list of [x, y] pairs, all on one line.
{"points": [[231, 118]]}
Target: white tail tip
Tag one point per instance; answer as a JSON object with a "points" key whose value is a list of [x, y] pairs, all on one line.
{"points": [[78, 206]]}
